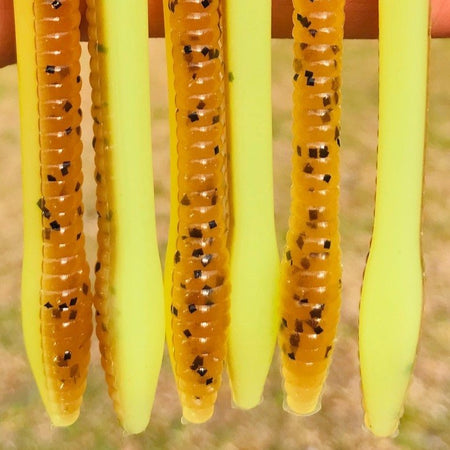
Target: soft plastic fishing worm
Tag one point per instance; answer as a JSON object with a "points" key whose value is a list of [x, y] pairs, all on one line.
{"points": [[199, 308], [254, 263], [391, 298], [128, 287], [56, 299], [311, 267]]}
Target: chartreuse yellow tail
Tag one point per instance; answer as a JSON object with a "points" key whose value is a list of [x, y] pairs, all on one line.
{"points": [[56, 299], [391, 299], [253, 250], [128, 288]]}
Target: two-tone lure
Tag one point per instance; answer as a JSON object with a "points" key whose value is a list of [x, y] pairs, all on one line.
{"points": [[56, 299], [254, 257], [311, 267], [198, 306], [128, 287], [392, 291]]}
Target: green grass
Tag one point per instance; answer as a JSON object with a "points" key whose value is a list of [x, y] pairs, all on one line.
{"points": [[23, 423]]}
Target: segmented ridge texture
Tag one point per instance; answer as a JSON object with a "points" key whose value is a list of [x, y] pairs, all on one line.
{"points": [[200, 291], [101, 145], [65, 290], [311, 268]]}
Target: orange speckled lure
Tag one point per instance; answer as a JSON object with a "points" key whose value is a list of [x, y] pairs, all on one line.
{"points": [[56, 299], [311, 268], [200, 279]]}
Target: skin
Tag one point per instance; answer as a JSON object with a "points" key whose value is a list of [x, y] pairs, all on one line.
{"points": [[361, 22]]}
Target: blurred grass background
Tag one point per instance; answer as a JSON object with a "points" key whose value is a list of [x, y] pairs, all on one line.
{"points": [[426, 422]]}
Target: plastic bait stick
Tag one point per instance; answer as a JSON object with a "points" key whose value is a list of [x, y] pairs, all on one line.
{"points": [[311, 267], [254, 254], [199, 279], [128, 287], [56, 299], [391, 299]]}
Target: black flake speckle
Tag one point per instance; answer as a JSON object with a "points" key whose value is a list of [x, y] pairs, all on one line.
{"points": [[326, 100], [67, 106], [198, 362], [308, 168], [55, 225], [197, 273], [294, 340], [323, 151], [187, 333], [65, 168], [193, 117], [298, 326], [197, 252], [206, 259], [313, 214], [303, 20], [195, 233], [185, 200]]}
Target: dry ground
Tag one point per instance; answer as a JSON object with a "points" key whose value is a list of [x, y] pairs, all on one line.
{"points": [[425, 425]]}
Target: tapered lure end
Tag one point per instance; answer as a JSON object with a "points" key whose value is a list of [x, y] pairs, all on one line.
{"points": [[382, 426], [196, 416], [61, 420], [246, 404], [302, 404]]}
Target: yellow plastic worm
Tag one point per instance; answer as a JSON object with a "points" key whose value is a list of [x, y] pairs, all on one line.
{"points": [[391, 298], [128, 288], [311, 267], [254, 262], [199, 293], [56, 299]]}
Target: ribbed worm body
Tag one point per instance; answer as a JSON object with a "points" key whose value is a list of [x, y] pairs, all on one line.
{"points": [[65, 290], [311, 268], [100, 143], [200, 290]]}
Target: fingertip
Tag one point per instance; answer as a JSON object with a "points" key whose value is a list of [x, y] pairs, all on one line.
{"points": [[440, 19], [7, 39]]}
